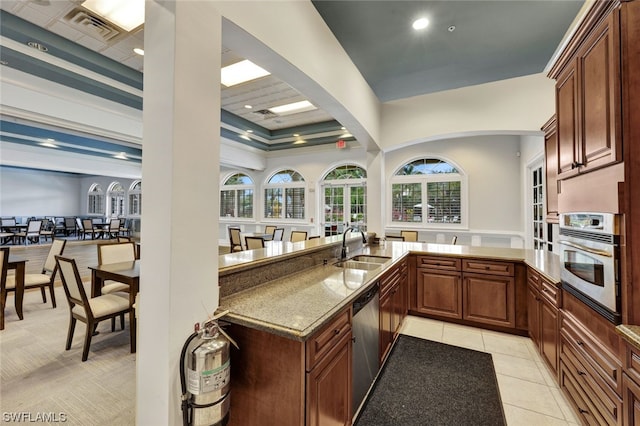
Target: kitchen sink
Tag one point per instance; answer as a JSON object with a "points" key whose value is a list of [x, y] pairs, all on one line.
{"points": [[370, 259], [353, 264]]}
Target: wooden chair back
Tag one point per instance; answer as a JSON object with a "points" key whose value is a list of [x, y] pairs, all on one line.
{"points": [[235, 239], [4, 260], [56, 249], [298, 236], [116, 252], [254, 242], [270, 229], [72, 283], [393, 238], [409, 235], [278, 234], [454, 240]]}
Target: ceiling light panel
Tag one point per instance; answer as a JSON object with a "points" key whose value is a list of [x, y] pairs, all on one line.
{"points": [[241, 72], [293, 108], [127, 14]]}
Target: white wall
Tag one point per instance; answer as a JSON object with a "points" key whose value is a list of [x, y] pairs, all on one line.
{"points": [[493, 169], [38, 193]]}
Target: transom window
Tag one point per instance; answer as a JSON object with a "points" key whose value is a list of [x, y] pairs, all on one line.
{"points": [[284, 195], [236, 197], [135, 199], [428, 191], [96, 200]]}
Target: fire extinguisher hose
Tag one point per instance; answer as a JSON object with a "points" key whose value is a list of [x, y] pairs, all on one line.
{"points": [[183, 381]]}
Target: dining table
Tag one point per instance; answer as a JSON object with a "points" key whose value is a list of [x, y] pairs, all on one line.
{"points": [[19, 264], [123, 272]]}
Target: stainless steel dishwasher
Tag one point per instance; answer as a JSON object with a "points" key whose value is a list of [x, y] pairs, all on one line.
{"points": [[366, 343]]}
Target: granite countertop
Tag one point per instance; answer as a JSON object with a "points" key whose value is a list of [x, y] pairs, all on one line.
{"points": [[299, 304], [630, 333]]}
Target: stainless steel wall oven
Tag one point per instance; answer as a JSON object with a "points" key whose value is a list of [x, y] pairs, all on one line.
{"points": [[589, 256]]}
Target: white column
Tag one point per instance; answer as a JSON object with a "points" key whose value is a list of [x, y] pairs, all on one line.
{"points": [[375, 192], [180, 174]]}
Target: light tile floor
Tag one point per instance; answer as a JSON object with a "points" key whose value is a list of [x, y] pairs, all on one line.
{"points": [[530, 395]]}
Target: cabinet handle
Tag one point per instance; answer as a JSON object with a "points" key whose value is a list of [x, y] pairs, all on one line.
{"points": [[583, 411], [353, 339], [582, 373], [487, 268], [580, 342], [336, 331]]}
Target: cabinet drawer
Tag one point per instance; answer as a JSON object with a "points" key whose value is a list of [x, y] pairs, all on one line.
{"points": [[600, 360], [488, 267], [324, 340], [587, 412], [632, 362], [602, 397], [439, 263], [533, 278], [550, 292], [390, 279]]}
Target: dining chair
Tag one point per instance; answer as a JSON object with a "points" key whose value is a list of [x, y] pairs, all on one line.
{"points": [[90, 311], [32, 233], [298, 236], [410, 235], [114, 228], [393, 238], [44, 279], [116, 253], [88, 229], [4, 260], [278, 234], [254, 242], [235, 239], [270, 229], [314, 237], [125, 229], [48, 229]]}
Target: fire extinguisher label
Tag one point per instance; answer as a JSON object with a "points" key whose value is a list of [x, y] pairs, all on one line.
{"points": [[199, 382]]}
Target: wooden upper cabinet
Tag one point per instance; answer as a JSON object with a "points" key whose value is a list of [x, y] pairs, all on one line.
{"points": [[551, 168], [599, 65], [588, 99]]}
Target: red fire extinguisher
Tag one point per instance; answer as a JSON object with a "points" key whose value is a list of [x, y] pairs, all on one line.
{"points": [[205, 375]]}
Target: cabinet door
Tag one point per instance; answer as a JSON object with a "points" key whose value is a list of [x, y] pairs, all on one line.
{"points": [[489, 299], [549, 334], [386, 330], [599, 64], [631, 401], [439, 293], [567, 119], [551, 169], [329, 387], [533, 315], [398, 308]]}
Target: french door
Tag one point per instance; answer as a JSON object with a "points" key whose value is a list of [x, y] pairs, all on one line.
{"points": [[344, 205]]}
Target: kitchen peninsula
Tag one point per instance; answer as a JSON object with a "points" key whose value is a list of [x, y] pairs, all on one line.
{"points": [[290, 309]]}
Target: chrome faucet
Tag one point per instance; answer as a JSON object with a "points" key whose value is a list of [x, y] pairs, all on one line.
{"points": [[343, 254]]}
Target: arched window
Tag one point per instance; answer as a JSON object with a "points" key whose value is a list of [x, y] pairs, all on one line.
{"points": [[284, 196], [115, 200], [236, 197], [428, 191], [135, 198], [96, 200], [344, 189]]}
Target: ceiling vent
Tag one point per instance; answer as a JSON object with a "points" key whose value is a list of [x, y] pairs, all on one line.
{"points": [[90, 24], [265, 113]]}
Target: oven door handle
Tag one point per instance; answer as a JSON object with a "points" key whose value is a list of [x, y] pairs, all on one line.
{"points": [[585, 248]]}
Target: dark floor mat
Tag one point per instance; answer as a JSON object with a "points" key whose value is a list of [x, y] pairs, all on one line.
{"points": [[426, 383]]}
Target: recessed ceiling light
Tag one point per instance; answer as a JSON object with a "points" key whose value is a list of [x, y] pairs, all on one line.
{"points": [[241, 72], [121, 156], [248, 106], [293, 108], [420, 24], [127, 14], [245, 137], [37, 46], [451, 28], [48, 144], [249, 131], [296, 135], [298, 142], [346, 135], [139, 51], [343, 128]]}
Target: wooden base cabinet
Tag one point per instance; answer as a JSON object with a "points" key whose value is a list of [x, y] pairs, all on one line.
{"points": [[488, 292], [543, 302], [393, 306], [439, 287], [282, 382], [631, 401]]}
